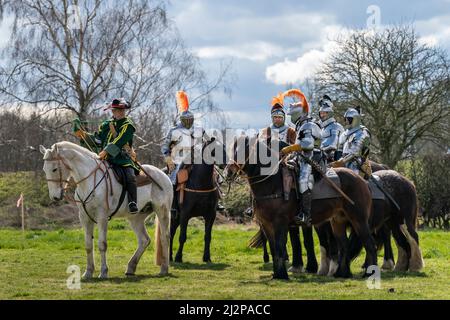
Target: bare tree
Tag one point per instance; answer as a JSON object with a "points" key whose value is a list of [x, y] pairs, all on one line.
{"points": [[403, 87], [77, 54]]}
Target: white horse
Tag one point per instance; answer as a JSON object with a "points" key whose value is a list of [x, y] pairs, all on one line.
{"points": [[67, 160]]}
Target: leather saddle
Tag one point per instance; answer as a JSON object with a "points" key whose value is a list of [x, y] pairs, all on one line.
{"points": [[322, 189], [141, 179]]}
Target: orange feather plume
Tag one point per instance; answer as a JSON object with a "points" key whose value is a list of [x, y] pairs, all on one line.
{"points": [[182, 101], [278, 99], [296, 93]]}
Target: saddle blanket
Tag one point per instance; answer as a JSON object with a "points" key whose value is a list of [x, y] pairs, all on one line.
{"points": [[323, 190]]}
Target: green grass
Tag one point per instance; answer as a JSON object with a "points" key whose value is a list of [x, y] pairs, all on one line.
{"points": [[33, 266]]}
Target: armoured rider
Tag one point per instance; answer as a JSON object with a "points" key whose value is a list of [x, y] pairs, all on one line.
{"points": [[356, 144], [308, 137], [331, 130]]}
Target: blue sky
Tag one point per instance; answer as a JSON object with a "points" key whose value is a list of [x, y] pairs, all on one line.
{"points": [[272, 43]]}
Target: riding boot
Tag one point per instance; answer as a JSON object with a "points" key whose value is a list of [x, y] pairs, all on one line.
{"points": [[304, 216], [132, 190]]}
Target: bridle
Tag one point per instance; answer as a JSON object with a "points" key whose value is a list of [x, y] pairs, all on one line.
{"points": [[61, 181], [240, 169], [60, 161]]}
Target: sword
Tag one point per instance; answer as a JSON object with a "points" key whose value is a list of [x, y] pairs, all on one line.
{"points": [[378, 184], [316, 167]]}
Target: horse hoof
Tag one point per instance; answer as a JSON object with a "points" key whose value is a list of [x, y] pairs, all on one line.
{"points": [[103, 276], [129, 274], [87, 275], [388, 265], [178, 259], [293, 269], [207, 260]]}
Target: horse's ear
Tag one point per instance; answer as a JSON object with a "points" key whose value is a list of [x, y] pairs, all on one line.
{"points": [[42, 149]]}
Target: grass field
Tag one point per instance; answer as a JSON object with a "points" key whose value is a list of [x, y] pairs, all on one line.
{"points": [[33, 266]]}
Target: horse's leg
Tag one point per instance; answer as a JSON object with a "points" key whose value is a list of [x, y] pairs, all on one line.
{"points": [[265, 253], [173, 229], [137, 223], [162, 238], [339, 231], [209, 222], [385, 234], [308, 241], [297, 260], [415, 261], [103, 245], [404, 251], [324, 249], [279, 265], [183, 236], [88, 227], [362, 229], [332, 252], [354, 248]]}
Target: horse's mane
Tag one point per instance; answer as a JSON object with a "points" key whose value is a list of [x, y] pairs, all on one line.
{"points": [[71, 145]]}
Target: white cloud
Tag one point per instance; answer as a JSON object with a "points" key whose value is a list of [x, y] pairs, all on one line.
{"points": [[254, 51], [435, 31], [239, 32], [298, 70]]}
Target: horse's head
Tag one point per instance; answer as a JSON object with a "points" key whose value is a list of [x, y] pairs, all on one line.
{"points": [[253, 156], [240, 162], [56, 170]]}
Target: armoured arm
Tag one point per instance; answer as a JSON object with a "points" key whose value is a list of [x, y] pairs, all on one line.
{"points": [[331, 142], [165, 148], [360, 141], [306, 140]]}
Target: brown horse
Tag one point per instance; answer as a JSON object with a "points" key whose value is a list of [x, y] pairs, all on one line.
{"points": [[387, 218], [276, 214]]}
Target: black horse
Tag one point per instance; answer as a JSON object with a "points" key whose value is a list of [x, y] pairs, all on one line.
{"points": [[386, 218], [200, 197]]}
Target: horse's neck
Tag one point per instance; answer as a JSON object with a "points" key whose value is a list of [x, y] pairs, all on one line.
{"points": [[201, 175], [82, 166], [267, 185]]}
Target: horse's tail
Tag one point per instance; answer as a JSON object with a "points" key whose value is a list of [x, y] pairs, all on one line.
{"points": [[258, 240], [159, 248]]}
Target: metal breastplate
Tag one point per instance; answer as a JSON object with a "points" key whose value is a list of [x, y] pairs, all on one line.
{"points": [[282, 133], [330, 134], [309, 135], [353, 140]]}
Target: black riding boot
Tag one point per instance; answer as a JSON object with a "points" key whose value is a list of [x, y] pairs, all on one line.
{"points": [[132, 190], [304, 216]]}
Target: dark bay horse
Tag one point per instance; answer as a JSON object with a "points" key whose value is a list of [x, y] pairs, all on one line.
{"points": [[276, 215], [386, 218], [200, 198]]}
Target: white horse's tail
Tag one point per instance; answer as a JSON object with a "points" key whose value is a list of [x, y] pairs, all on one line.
{"points": [[159, 249]]}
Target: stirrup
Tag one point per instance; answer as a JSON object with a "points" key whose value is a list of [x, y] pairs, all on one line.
{"points": [[302, 219], [132, 207]]}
